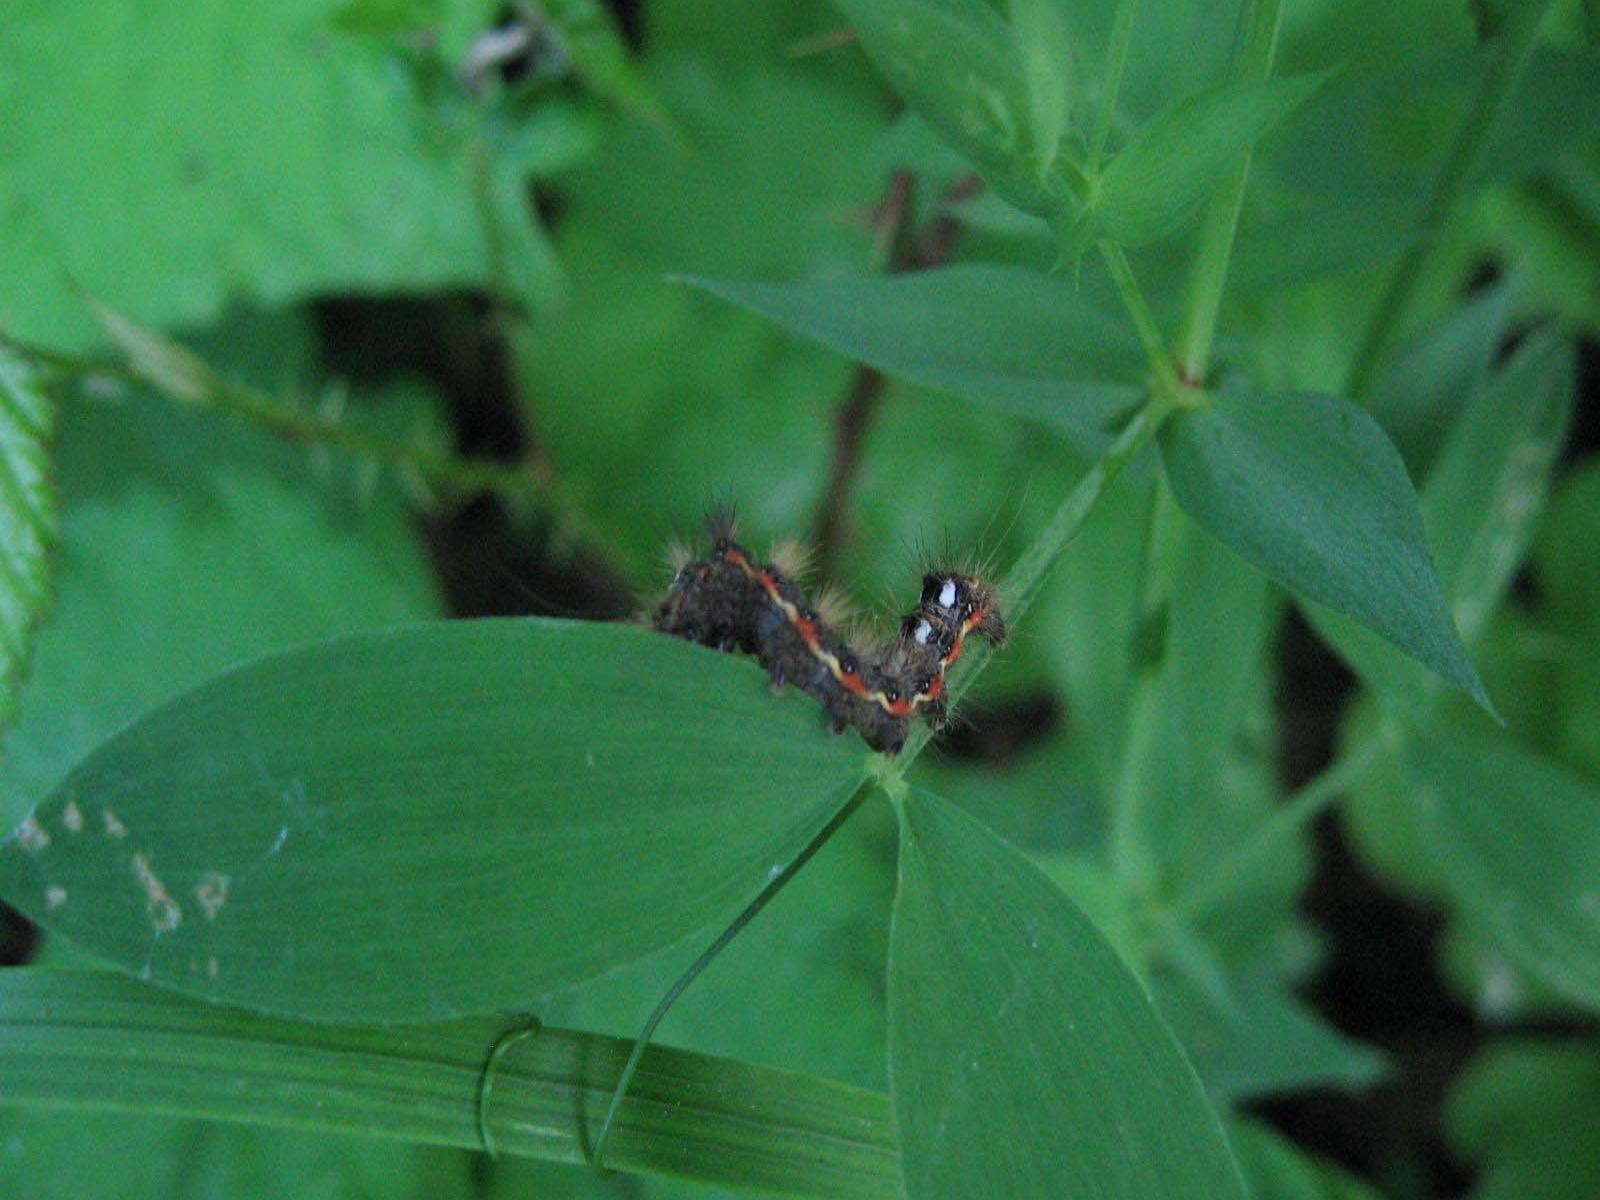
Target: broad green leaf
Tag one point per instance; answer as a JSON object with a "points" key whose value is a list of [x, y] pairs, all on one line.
{"points": [[189, 542], [141, 133], [1174, 161], [451, 817], [957, 65], [1024, 1059], [1310, 490], [1516, 839], [97, 1041], [1523, 1114], [28, 521], [1479, 505], [1019, 341], [815, 956]]}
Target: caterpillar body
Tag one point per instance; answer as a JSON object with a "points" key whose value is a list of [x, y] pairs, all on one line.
{"points": [[729, 600]]}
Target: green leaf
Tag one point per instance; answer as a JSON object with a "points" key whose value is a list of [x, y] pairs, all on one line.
{"points": [[1310, 490], [151, 196], [1426, 383], [66, 1155], [101, 1042], [452, 818], [955, 62], [590, 34], [1277, 1169], [28, 524], [1019, 341], [171, 520], [1024, 1059], [1479, 506], [1516, 839], [1044, 48], [1523, 1113], [1174, 161], [1258, 1040]]}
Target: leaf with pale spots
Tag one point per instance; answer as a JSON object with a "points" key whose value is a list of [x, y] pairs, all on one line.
{"points": [[439, 819], [1024, 1059]]}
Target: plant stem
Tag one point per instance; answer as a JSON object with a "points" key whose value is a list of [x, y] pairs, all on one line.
{"points": [[1111, 82], [1513, 49], [1254, 49], [707, 956], [1235, 869], [1155, 348], [1033, 565], [1129, 849]]}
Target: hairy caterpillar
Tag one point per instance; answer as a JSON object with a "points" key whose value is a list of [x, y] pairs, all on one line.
{"points": [[730, 601]]}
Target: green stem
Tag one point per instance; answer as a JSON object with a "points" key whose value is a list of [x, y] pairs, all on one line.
{"points": [[1513, 49], [1231, 873], [1254, 49], [1129, 847], [1155, 348], [1033, 566], [707, 956], [153, 361], [1116, 59]]}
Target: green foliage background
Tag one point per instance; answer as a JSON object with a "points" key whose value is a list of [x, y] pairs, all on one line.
{"points": [[1254, 314]]}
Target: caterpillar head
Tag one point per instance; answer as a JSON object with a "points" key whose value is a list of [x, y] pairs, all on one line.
{"points": [[967, 601]]}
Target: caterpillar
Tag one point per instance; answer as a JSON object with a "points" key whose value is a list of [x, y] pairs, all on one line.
{"points": [[728, 600]]}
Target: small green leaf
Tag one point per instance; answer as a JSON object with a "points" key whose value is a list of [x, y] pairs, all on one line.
{"points": [[955, 62], [1310, 490], [443, 818], [27, 515], [97, 1041], [1045, 55], [1025, 1060], [1259, 1040], [1174, 161], [1019, 341], [1517, 840], [1479, 505]]}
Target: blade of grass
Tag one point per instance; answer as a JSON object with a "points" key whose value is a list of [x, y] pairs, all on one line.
{"points": [[87, 1040]]}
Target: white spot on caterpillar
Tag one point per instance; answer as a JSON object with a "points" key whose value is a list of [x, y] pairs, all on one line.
{"points": [[165, 915], [31, 835], [114, 828], [55, 896], [212, 893], [72, 817], [947, 594], [211, 968], [923, 633]]}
